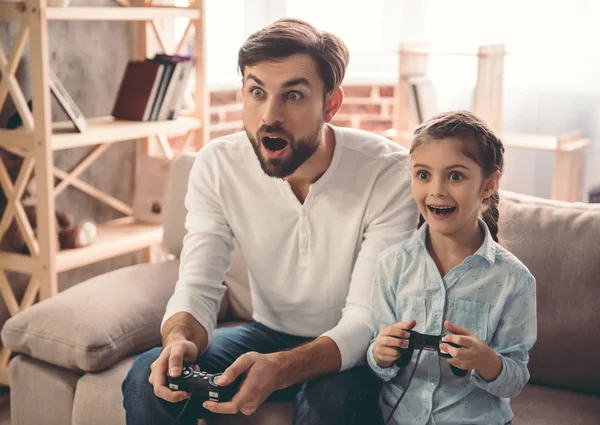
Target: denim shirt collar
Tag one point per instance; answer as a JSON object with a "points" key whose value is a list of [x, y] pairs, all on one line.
{"points": [[487, 250]]}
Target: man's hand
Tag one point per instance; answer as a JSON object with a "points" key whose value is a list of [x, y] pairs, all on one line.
{"points": [[262, 377], [171, 358], [473, 354], [389, 340]]}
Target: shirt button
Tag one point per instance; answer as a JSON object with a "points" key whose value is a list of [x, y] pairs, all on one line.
{"points": [[432, 382]]}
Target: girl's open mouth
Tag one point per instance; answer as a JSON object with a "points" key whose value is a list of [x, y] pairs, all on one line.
{"points": [[441, 211]]}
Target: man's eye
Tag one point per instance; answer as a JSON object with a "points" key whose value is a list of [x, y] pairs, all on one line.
{"points": [[422, 175], [258, 92], [295, 96], [455, 177]]}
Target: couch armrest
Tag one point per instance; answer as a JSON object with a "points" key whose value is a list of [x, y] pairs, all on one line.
{"points": [[94, 324]]}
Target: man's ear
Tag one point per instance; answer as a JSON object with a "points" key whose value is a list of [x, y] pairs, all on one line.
{"points": [[333, 103], [242, 91], [491, 184]]}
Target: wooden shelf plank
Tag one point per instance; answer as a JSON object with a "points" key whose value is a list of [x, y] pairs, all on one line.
{"points": [[540, 142], [120, 13], [17, 139], [18, 262], [511, 140], [107, 130], [116, 237]]}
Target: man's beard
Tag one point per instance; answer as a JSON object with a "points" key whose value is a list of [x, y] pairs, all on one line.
{"points": [[300, 150]]}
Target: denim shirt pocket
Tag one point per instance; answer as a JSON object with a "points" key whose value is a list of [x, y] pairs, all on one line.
{"points": [[473, 316], [411, 307]]}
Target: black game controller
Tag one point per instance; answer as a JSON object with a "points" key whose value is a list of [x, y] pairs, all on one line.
{"points": [[426, 342], [202, 385]]}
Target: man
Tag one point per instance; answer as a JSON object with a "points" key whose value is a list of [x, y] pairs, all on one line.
{"points": [[311, 207]]}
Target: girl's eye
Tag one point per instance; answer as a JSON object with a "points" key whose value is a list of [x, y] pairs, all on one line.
{"points": [[257, 92], [455, 176], [295, 96], [422, 175]]}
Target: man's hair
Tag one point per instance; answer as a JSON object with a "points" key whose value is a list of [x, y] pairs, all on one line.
{"points": [[478, 143], [286, 37]]}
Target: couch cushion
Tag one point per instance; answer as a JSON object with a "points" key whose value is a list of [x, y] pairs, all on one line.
{"points": [[559, 242], [92, 325], [40, 393], [538, 405], [99, 398]]}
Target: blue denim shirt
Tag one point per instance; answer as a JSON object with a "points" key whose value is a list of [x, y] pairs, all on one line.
{"points": [[491, 293]]}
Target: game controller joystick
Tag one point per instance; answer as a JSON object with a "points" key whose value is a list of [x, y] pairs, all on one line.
{"points": [[418, 341], [202, 385]]}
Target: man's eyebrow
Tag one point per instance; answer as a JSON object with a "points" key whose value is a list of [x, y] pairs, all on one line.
{"points": [[255, 78], [287, 84], [295, 82]]}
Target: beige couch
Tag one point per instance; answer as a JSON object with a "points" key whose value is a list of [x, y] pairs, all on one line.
{"points": [[76, 348]]}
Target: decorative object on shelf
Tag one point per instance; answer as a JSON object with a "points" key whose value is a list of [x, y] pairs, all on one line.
{"points": [[151, 181], [66, 102], [69, 233]]}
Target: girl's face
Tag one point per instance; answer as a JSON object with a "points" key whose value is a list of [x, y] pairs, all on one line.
{"points": [[448, 186]]}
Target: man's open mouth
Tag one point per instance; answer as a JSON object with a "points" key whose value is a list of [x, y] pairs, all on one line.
{"points": [[440, 210], [274, 144]]}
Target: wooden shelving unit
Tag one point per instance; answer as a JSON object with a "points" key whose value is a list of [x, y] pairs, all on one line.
{"points": [[487, 104], [39, 138]]}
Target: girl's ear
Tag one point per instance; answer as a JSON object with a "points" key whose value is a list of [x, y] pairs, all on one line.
{"points": [[491, 184]]}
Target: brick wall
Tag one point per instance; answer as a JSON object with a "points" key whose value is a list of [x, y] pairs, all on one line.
{"points": [[368, 107]]}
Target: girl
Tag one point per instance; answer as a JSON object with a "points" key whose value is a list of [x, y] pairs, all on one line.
{"points": [[452, 277]]}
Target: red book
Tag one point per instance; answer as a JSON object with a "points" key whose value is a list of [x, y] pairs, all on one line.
{"points": [[138, 90]]}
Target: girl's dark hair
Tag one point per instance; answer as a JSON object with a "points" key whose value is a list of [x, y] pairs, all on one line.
{"points": [[478, 142], [286, 37]]}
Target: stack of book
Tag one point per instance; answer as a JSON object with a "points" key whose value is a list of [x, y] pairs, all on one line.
{"points": [[154, 89]]}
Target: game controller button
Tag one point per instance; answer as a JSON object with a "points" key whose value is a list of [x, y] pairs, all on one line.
{"points": [[186, 371], [205, 377]]}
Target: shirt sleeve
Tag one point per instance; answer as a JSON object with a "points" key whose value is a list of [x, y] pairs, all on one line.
{"points": [[515, 336], [392, 217], [383, 312], [207, 248]]}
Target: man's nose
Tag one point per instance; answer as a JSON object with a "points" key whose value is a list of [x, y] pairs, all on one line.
{"points": [[273, 112]]}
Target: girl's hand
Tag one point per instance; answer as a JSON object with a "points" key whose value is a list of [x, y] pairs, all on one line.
{"points": [[473, 354], [389, 340]]}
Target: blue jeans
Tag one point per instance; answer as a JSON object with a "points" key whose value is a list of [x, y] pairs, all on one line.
{"points": [[349, 397]]}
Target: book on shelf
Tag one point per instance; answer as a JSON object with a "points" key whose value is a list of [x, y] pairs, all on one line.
{"points": [[137, 91], [422, 98], [153, 89]]}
